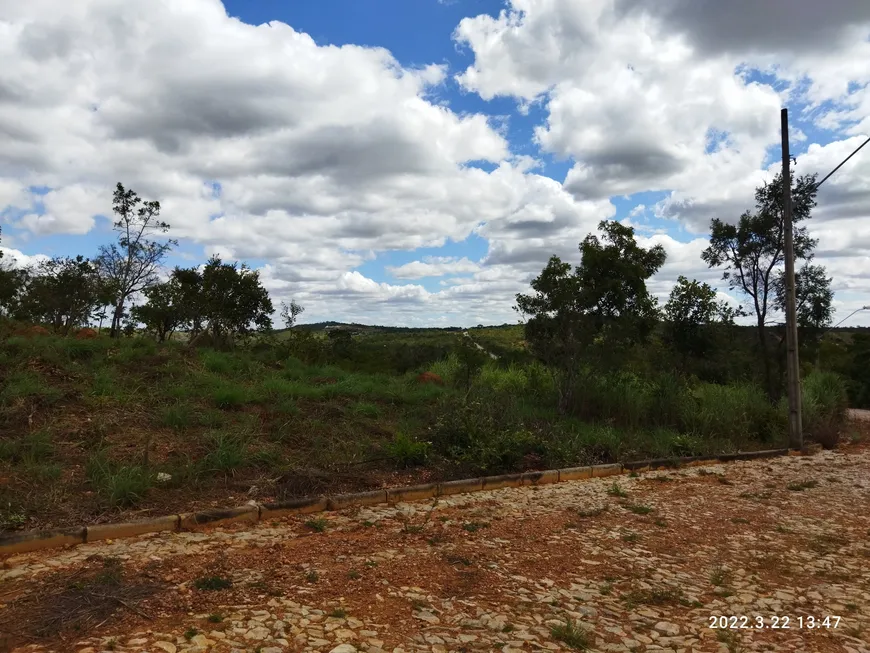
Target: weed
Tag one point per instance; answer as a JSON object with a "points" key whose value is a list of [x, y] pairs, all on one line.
{"points": [[639, 509], [606, 589], [212, 583], [655, 596], [630, 536], [312, 576], [572, 635], [318, 525], [111, 645], [720, 576], [508, 628], [353, 574], [661, 523], [800, 486], [419, 604], [338, 613], [826, 544], [458, 560], [729, 638], [759, 496], [724, 481], [616, 491], [739, 520], [474, 526], [851, 607], [592, 512], [633, 474], [215, 618], [190, 633]]}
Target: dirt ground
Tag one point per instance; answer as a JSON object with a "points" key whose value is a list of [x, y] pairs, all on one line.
{"points": [[778, 551]]}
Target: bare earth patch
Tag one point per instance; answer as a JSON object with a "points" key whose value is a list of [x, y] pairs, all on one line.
{"points": [[557, 567]]}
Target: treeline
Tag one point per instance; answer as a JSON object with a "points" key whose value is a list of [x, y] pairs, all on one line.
{"points": [[223, 301], [594, 318]]}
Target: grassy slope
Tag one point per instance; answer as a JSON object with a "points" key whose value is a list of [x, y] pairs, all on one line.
{"points": [[86, 425]]}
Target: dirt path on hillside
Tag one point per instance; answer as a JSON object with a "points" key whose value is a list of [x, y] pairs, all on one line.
{"points": [[524, 569]]}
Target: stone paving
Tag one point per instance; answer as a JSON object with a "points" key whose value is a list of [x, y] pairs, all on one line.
{"points": [[626, 563]]}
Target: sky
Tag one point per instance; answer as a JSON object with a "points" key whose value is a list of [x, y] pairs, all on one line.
{"points": [[416, 162]]}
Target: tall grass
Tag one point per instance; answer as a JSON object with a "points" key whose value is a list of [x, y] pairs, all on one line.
{"points": [[824, 403], [117, 484]]}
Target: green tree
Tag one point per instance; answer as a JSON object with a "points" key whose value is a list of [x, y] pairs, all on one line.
{"points": [[63, 292], [584, 318], [163, 311], [131, 265], [692, 317], [814, 303], [12, 283], [290, 312], [752, 252], [233, 301]]}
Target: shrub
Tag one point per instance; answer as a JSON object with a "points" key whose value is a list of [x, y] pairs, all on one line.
{"points": [[734, 412], [447, 368], [824, 404], [406, 451]]}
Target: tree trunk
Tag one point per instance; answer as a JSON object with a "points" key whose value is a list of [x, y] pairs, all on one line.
{"points": [[765, 357], [116, 320]]}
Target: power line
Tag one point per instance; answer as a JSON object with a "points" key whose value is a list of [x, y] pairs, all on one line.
{"points": [[842, 163]]}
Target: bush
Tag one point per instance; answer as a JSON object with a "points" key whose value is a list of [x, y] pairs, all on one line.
{"points": [[824, 404], [735, 412], [406, 451]]}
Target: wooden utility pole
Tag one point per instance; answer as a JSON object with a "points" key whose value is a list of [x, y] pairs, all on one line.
{"points": [[795, 427]]}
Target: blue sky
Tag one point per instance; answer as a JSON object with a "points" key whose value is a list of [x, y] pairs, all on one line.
{"points": [[680, 109]]}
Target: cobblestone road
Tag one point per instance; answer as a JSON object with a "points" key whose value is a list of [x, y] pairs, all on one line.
{"points": [[639, 564]]}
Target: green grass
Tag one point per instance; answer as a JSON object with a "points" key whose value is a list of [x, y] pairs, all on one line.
{"points": [[226, 452], [119, 485], [639, 509], [24, 385], [178, 416], [616, 491], [230, 396], [31, 449], [572, 635], [366, 409], [318, 525]]}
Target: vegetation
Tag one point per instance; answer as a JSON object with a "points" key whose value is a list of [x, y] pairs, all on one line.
{"points": [[196, 397]]}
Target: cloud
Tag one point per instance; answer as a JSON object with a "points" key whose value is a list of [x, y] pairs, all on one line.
{"points": [[261, 144], [430, 266]]}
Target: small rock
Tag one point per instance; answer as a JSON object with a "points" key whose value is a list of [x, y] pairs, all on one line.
{"points": [[344, 648], [667, 628]]}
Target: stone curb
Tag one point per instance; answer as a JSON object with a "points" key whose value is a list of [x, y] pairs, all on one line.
{"points": [[24, 542]]}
